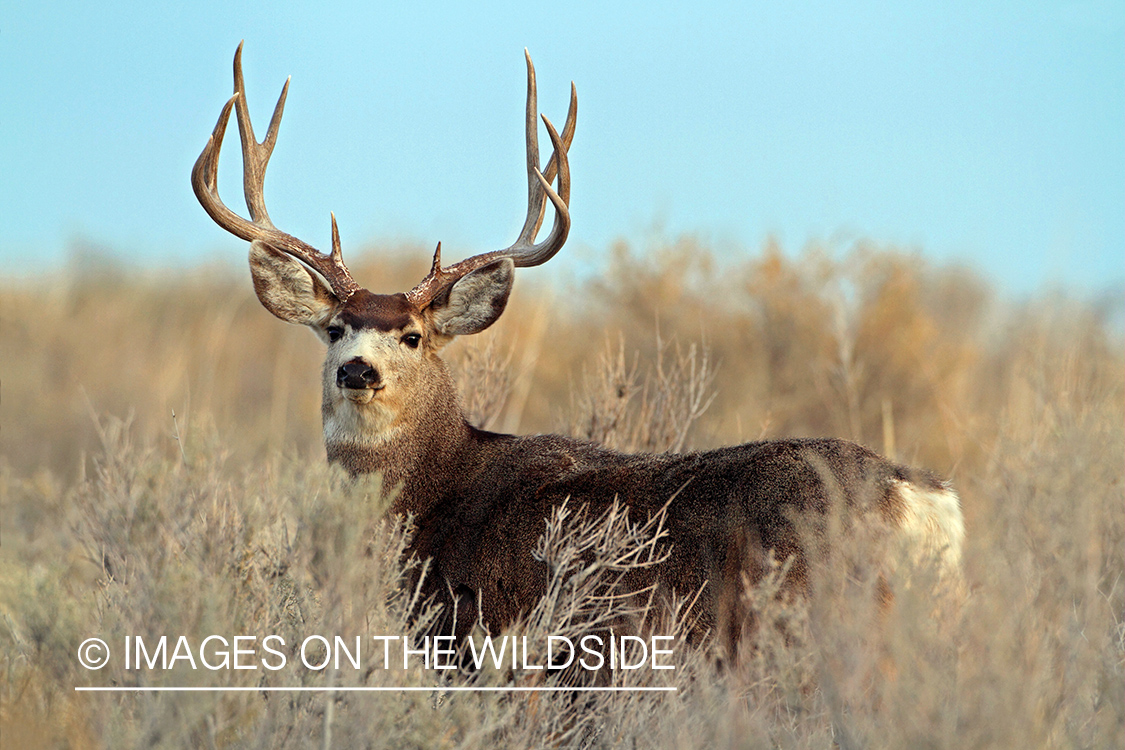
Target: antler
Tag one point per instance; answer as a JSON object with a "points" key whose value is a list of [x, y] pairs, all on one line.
{"points": [[523, 251], [255, 158]]}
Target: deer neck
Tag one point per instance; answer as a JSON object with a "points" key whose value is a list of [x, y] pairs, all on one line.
{"points": [[413, 443]]}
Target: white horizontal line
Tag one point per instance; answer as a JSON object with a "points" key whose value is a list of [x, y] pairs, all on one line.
{"points": [[377, 689]]}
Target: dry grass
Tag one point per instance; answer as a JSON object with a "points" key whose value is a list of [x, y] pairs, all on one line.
{"points": [[120, 520]]}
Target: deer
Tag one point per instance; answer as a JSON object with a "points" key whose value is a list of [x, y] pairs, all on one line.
{"points": [[479, 500]]}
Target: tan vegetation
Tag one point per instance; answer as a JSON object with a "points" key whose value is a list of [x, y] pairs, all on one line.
{"points": [[120, 519]]}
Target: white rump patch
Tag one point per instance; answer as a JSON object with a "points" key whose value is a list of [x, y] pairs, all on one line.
{"points": [[933, 529]]}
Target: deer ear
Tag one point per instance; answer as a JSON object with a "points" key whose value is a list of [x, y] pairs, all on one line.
{"points": [[288, 289], [474, 301]]}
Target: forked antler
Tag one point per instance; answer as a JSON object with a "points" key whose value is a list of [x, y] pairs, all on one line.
{"points": [[523, 251], [255, 158]]}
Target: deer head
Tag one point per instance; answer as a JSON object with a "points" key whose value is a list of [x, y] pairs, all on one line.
{"points": [[382, 373]]}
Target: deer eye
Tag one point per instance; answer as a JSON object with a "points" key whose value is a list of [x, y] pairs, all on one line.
{"points": [[334, 333], [412, 340]]}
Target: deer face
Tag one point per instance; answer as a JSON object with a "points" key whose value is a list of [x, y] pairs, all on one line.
{"points": [[382, 363]]}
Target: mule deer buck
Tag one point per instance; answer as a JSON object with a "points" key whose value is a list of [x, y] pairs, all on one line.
{"points": [[479, 499]]}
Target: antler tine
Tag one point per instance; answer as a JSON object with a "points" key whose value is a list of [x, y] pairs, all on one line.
{"points": [[553, 163], [523, 252], [255, 156], [255, 159]]}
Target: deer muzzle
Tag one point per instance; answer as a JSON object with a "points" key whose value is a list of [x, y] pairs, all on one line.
{"points": [[358, 375]]}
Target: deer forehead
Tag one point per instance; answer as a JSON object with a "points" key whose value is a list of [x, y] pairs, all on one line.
{"points": [[384, 313]]}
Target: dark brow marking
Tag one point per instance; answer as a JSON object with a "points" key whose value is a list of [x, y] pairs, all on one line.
{"points": [[382, 312]]}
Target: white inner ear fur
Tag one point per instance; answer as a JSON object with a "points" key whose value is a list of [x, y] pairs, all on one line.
{"points": [[475, 301], [288, 289]]}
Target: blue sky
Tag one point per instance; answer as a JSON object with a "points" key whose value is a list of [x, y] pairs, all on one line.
{"points": [[993, 136]]}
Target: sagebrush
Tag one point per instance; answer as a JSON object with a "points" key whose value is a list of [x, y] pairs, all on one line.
{"points": [[120, 519]]}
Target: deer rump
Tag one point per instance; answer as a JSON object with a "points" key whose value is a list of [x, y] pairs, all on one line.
{"points": [[726, 511]]}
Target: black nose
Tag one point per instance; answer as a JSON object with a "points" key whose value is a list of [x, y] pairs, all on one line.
{"points": [[356, 374]]}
